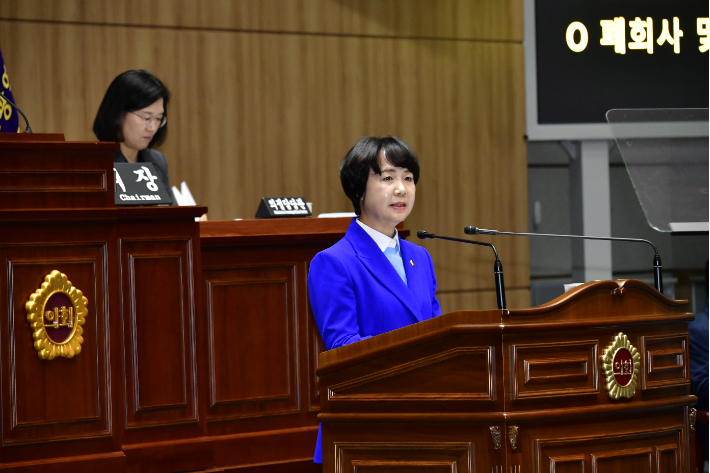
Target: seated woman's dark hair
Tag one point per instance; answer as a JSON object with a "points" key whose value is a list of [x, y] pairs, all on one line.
{"points": [[130, 91], [364, 156]]}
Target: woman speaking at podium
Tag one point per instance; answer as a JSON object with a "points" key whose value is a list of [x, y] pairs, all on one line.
{"points": [[134, 113], [371, 281]]}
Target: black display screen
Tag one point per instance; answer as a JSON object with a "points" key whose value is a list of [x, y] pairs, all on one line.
{"points": [[625, 72]]}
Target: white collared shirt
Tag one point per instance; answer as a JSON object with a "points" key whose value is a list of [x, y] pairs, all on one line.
{"points": [[382, 240]]}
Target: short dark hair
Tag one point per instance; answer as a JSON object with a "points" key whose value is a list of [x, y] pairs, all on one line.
{"points": [[130, 91], [364, 156]]}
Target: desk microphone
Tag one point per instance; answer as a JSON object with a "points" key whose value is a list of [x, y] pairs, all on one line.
{"points": [[497, 267], [27, 128], [657, 268]]}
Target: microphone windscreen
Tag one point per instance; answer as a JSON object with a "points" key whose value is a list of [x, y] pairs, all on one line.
{"points": [[422, 234], [470, 230]]}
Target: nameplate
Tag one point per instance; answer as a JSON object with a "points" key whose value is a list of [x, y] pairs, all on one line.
{"points": [[282, 207], [139, 184]]}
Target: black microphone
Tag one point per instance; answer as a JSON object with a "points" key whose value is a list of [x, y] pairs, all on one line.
{"points": [[657, 268], [27, 128], [497, 267]]}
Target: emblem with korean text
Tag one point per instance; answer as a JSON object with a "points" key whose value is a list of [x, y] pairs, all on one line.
{"points": [[621, 362], [56, 311]]}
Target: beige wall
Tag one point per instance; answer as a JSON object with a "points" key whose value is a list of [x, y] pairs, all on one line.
{"points": [[269, 95]]}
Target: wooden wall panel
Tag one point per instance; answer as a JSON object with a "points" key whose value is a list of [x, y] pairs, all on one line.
{"points": [[252, 322], [47, 175], [159, 333], [114, 462], [269, 96], [63, 398], [500, 20], [666, 361], [419, 457], [548, 370], [659, 449]]}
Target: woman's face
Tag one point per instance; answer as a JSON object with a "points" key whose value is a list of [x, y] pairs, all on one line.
{"points": [[136, 135], [389, 198]]}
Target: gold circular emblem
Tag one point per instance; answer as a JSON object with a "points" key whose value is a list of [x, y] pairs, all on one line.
{"points": [[56, 311], [621, 362]]}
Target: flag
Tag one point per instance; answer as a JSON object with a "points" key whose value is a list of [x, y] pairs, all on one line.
{"points": [[9, 118]]}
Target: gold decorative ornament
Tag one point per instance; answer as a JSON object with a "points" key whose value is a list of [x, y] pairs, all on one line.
{"points": [[495, 436], [621, 362], [692, 417], [56, 311], [513, 437]]}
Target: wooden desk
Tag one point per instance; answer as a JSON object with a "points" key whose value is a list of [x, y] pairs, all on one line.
{"points": [[263, 343], [188, 362], [134, 384]]}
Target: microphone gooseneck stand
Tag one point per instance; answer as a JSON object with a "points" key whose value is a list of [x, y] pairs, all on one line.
{"points": [[657, 268], [27, 124], [497, 267]]}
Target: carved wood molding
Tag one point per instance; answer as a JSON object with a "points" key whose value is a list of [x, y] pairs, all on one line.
{"points": [[173, 399], [517, 416], [601, 450], [454, 456], [496, 437], [25, 265], [338, 392], [692, 417], [577, 358], [616, 288], [53, 181], [252, 397], [513, 437], [666, 361]]}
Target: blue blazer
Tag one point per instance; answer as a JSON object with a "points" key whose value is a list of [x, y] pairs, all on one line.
{"points": [[356, 293]]}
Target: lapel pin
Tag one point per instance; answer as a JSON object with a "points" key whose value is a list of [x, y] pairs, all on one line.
{"points": [[411, 262]]}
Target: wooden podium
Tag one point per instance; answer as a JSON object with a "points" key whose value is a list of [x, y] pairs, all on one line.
{"points": [[518, 391]]}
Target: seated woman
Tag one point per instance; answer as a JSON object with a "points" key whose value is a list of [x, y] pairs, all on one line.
{"points": [[371, 282], [134, 113]]}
